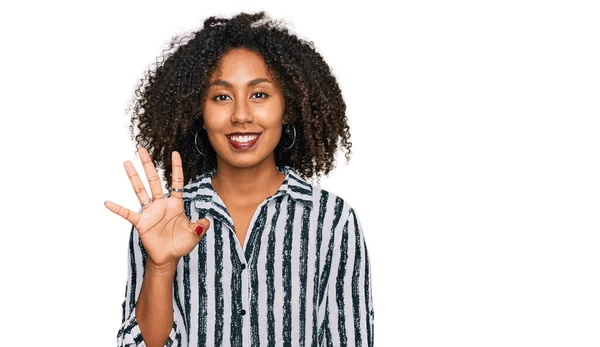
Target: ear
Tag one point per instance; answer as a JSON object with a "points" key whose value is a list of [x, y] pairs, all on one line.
{"points": [[285, 119]]}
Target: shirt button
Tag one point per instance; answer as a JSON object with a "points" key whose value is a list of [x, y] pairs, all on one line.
{"points": [[243, 266], [243, 312]]}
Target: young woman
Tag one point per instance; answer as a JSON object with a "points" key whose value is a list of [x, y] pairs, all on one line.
{"points": [[246, 252]]}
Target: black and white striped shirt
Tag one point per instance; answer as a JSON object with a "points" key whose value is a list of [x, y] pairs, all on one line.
{"points": [[302, 277]]}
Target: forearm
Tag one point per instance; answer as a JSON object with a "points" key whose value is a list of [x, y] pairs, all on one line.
{"points": [[154, 307]]}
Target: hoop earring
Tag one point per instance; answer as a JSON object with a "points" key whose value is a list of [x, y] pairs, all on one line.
{"points": [[287, 131], [196, 143]]}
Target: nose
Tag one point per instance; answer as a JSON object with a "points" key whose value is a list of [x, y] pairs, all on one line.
{"points": [[242, 112]]}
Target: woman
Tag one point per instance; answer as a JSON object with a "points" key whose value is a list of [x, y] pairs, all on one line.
{"points": [[247, 253]]}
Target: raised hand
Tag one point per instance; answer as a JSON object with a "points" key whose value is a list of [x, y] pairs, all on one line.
{"points": [[165, 231]]}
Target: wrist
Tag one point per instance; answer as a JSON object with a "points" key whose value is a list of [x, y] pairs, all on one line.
{"points": [[167, 268]]}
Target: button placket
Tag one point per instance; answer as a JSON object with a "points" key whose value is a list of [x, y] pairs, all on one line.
{"points": [[245, 275]]}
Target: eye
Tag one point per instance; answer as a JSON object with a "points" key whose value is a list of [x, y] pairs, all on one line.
{"points": [[221, 97], [260, 95]]}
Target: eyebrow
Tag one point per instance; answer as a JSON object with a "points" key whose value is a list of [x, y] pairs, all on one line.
{"points": [[229, 85]]}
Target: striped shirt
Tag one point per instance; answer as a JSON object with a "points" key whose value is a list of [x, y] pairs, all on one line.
{"points": [[302, 277]]}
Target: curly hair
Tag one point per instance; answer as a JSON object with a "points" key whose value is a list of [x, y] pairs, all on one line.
{"points": [[168, 101]]}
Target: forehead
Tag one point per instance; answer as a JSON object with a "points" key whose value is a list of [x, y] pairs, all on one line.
{"points": [[240, 64]]}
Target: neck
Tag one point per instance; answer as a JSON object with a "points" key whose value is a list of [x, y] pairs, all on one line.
{"points": [[247, 184]]}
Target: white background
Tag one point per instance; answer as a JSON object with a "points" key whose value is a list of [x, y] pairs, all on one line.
{"points": [[475, 168]]}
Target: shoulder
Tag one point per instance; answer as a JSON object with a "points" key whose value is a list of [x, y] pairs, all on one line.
{"points": [[331, 204], [327, 202], [199, 188]]}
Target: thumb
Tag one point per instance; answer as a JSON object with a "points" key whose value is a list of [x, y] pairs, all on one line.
{"points": [[200, 226]]}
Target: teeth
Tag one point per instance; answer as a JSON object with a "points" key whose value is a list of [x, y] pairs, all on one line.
{"points": [[242, 139]]}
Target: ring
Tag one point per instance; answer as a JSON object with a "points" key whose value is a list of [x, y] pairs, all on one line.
{"points": [[146, 203], [178, 190]]}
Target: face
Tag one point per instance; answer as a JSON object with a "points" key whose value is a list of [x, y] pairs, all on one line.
{"points": [[243, 110]]}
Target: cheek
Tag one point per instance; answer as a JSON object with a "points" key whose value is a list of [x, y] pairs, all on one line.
{"points": [[270, 115], [273, 127], [214, 118]]}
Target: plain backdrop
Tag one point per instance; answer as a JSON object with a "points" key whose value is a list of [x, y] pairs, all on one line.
{"points": [[475, 166]]}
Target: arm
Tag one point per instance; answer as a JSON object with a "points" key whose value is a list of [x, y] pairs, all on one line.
{"points": [[349, 302], [148, 304]]}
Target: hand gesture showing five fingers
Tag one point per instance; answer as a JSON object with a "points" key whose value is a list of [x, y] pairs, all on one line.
{"points": [[165, 231]]}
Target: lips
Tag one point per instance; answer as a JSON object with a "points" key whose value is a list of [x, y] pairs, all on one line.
{"points": [[243, 140]]}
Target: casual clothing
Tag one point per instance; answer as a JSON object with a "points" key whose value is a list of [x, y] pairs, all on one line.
{"points": [[302, 277]]}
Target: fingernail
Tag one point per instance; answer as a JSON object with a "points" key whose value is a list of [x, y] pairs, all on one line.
{"points": [[199, 229]]}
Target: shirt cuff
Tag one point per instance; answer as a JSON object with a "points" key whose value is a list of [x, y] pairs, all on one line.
{"points": [[130, 335]]}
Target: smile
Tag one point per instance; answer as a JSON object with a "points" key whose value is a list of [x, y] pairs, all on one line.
{"points": [[244, 141]]}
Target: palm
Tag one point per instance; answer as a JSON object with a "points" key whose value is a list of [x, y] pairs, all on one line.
{"points": [[165, 231]]}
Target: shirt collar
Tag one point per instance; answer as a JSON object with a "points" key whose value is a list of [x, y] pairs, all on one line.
{"points": [[207, 201], [295, 186]]}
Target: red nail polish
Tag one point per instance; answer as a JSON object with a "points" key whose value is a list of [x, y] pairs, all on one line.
{"points": [[199, 229]]}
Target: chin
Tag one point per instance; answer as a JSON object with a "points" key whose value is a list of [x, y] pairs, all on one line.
{"points": [[240, 162], [246, 158], [246, 161]]}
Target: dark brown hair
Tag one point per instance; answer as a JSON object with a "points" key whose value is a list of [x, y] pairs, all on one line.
{"points": [[167, 104]]}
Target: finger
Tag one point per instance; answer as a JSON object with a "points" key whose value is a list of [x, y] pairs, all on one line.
{"points": [[200, 227], [136, 182], [151, 174], [126, 213], [177, 174]]}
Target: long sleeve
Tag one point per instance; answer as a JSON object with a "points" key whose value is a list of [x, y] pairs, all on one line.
{"points": [[129, 333], [349, 303]]}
